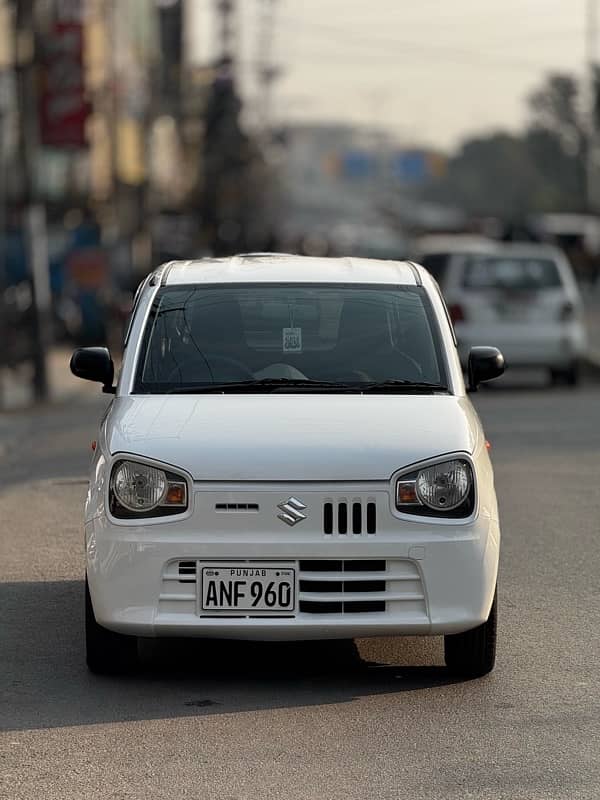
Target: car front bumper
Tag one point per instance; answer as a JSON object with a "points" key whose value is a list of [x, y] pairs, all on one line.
{"points": [[412, 577]]}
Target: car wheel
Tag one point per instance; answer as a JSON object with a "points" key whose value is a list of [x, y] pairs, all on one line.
{"points": [[572, 375], [569, 376], [107, 652], [473, 653]]}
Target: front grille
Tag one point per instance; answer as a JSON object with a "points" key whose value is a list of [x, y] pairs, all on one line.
{"points": [[325, 586], [233, 507], [343, 517]]}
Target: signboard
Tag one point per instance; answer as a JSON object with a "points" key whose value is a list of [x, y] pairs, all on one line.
{"points": [[63, 106], [358, 164], [414, 167], [87, 268], [410, 166]]}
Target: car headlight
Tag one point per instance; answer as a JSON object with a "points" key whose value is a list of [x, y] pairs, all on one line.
{"points": [[138, 490], [442, 490]]}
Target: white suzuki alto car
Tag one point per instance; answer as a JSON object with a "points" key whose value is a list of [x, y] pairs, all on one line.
{"points": [[290, 454]]}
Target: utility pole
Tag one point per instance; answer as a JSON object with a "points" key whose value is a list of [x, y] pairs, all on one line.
{"points": [[591, 138], [267, 72], [227, 13], [6, 100], [34, 218]]}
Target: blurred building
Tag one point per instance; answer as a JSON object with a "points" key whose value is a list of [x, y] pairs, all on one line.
{"points": [[105, 113], [354, 190]]}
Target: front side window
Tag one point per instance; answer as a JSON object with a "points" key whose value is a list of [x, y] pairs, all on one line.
{"points": [[204, 335]]}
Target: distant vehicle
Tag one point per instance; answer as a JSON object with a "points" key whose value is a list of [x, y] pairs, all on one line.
{"points": [[290, 454], [438, 252], [368, 241], [578, 235], [522, 298]]}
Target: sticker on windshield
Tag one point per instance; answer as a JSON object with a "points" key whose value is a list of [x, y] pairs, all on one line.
{"points": [[292, 340]]}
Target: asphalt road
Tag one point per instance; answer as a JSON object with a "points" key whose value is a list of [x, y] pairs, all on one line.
{"points": [[248, 721]]}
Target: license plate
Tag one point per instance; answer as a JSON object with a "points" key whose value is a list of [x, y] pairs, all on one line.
{"points": [[248, 588], [517, 306]]}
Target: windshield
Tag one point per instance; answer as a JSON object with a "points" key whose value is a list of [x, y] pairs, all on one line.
{"points": [[202, 335], [485, 272]]}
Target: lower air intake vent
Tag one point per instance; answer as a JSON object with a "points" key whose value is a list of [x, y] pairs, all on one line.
{"points": [[352, 586], [391, 587], [187, 571]]}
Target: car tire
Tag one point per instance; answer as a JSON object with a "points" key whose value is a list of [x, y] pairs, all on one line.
{"points": [[472, 654], [565, 377], [107, 652], [572, 375]]}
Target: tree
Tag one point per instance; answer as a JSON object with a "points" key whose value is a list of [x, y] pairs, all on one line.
{"points": [[541, 169], [555, 108], [225, 159], [556, 112], [560, 181], [490, 175]]}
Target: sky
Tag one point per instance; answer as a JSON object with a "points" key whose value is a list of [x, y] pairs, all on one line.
{"points": [[427, 71]]}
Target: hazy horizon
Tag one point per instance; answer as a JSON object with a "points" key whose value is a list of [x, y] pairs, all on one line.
{"points": [[426, 72]]}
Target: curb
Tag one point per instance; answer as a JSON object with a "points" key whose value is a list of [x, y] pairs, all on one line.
{"points": [[16, 391], [53, 401], [16, 395]]}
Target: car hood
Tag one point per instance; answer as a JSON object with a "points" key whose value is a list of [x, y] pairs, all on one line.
{"points": [[289, 437]]}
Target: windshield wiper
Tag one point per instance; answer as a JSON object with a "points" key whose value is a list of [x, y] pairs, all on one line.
{"points": [[263, 384], [402, 386], [278, 384]]}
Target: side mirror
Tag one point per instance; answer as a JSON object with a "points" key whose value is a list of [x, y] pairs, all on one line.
{"points": [[485, 364], [94, 364]]}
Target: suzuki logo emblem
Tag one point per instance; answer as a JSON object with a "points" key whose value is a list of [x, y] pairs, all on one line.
{"points": [[291, 511]]}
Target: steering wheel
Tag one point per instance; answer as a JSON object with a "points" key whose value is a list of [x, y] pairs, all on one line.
{"points": [[210, 367], [407, 367]]}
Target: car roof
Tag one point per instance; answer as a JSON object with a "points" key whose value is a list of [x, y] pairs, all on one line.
{"points": [[288, 268], [453, 243], [528, 250]]}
